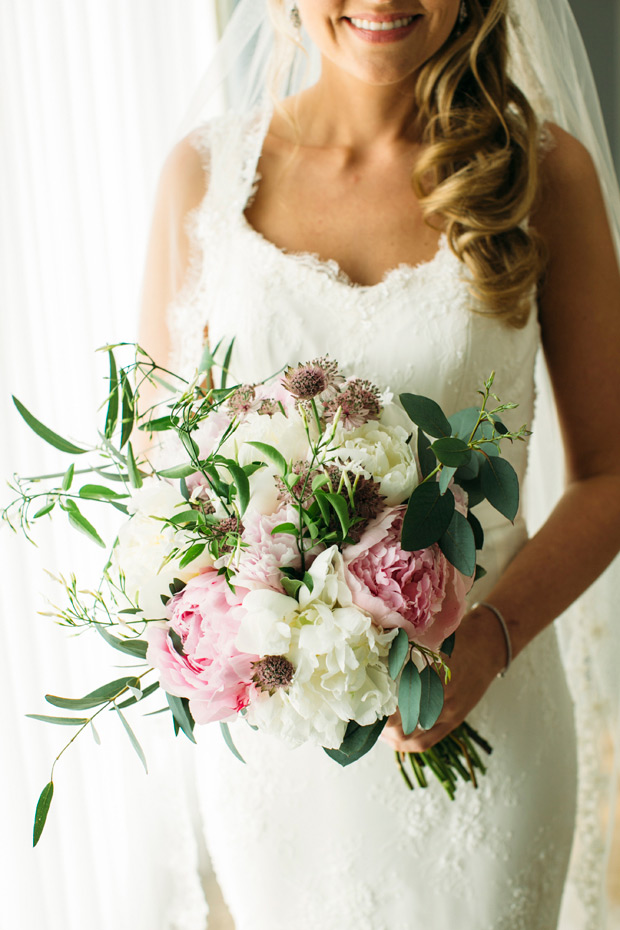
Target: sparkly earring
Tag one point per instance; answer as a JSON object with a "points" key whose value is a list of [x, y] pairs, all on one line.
{"points": [[463, 13], [295, 17]]}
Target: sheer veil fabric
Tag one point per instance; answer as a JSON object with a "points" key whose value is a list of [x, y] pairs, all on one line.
{"points": [[550, 64]]}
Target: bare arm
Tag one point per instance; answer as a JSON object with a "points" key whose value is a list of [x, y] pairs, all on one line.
{"points": [[580, 320]]}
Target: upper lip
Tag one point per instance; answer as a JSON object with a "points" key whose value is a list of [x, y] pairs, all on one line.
{"points": [[379, 17]]}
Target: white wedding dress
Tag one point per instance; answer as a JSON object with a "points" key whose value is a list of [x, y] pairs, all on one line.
{"points": [[296, 841]]}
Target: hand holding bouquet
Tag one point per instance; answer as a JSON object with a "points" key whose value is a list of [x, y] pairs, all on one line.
{"points": [[302, 562]]}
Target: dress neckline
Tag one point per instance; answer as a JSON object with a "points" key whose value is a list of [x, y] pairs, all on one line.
{"points": [[331, 268]]}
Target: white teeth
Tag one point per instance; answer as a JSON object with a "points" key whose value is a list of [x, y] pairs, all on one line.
{"points": [[374, 26]]}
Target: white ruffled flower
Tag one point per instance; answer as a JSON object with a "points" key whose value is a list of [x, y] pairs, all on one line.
{"points": [[285, 433], [338, 655], [144, 542], [381, 451]]}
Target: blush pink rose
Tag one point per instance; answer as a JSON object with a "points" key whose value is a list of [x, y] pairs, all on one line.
{"points": [[211, 672], [419, 591]]}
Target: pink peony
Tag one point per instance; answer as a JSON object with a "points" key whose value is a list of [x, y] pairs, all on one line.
{"points": [[259, 563], [418, 591], [211, 672]]}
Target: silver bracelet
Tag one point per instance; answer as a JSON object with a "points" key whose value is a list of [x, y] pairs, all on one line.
{"points": [[504, 627]]}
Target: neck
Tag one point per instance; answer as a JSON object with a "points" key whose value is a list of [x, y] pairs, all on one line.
{"points": [[340, 110]]}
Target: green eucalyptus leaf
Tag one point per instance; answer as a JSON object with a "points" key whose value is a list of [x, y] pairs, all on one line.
{"points": [[399, 650], [432, 697], [134, 475], [409, 693], [426, 457], [476, 526], [131, 647], [358, 740], [458, 544], [182, 716], [112, 412], [445, 477], [50, 437], [447, 647], [43, 806], [451, 451], [500, 486], [61, 721], [229, 741], [273, 455], [133, 740], [426, 414], [101, 695], [480, 572], [427, 517], [473, 488]]}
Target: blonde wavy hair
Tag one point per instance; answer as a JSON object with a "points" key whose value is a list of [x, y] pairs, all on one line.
{"points": [[478, 174]]}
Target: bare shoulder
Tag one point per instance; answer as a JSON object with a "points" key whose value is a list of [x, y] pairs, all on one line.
{"points": [[568, 178], [184, 177]]}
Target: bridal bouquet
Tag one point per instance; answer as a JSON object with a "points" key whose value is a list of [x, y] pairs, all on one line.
{"points": [[301, 561]]}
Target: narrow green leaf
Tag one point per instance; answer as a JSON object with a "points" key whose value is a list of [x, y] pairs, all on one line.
{"points": [[98, 492], [133, 740], [500, 486], [229, 741], [79, 522], [399, 650], [158, 424], [409, 694], [67, 479], [342, 511], [128, 410], [272, 454], [134, 475], [43, 806], [357, 742], [61, 721], [180, 712], [131, 647], [100, 696], [112, 412], [427, 517], [308, 580], [323, 505], [451, 451], [285, 528], [178, 471], [242, 484], [459, 545], [44, 511], [432, 697], [426, 414], [226, 364], [50, 437], [480, 572], [192, 553]]}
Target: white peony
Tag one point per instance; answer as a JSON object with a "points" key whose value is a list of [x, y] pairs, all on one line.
{"points": [[338, 655], [285, 433], [381, 451], [144, 542]]}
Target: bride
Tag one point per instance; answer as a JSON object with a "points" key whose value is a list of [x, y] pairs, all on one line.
{"points": [[412, 213]]}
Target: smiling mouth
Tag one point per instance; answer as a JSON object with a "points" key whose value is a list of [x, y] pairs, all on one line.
{"points": [[382, 26]]}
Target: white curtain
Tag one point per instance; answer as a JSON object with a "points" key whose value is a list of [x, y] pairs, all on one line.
{"points": [[91, 92]]}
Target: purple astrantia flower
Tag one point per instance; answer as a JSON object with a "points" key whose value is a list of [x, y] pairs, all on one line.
{"points": [[318, 378], [359, 402]]}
